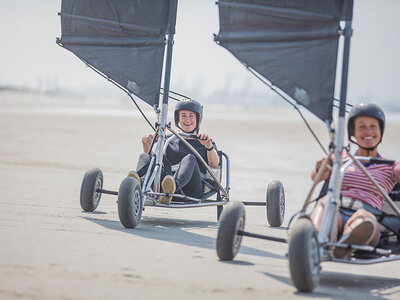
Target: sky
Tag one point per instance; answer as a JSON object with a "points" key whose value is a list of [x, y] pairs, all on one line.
{"points": [[30, 58]]}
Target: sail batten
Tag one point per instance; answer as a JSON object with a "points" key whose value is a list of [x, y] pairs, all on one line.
{"points": [[111, 24], [266, 36], [277, 11], [94, 41]]}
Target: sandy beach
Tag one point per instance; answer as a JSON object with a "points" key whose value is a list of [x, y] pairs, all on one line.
{"points": [[51, 249]]}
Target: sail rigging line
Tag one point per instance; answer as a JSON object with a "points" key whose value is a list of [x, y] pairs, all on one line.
{"points": [[169, 96], [178, 94], [334, 105], [348, 104], [272, 87], [122, 88]]}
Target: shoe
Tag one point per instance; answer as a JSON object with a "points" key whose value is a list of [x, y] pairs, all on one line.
{"points": [[168, 187], [360, 235], [134, 175]]}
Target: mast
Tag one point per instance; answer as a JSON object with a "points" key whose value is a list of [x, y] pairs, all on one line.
{"points": [[164, 111], [327, 227]]}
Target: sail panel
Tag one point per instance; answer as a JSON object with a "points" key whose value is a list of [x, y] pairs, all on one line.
{"points": [[123, 39], [293, 44]]}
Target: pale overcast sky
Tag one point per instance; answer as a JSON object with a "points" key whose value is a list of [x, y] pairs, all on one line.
{"points": [[29, 56]]}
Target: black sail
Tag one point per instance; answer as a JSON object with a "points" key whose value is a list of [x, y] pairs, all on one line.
{"points": [[123, 39], [293, 44]]}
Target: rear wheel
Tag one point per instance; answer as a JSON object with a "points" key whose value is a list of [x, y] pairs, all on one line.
{"points": [[228, 239], [89, 197], [275, 203], [130, 202], [304, 255]]}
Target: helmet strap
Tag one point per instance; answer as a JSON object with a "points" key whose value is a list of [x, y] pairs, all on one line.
{"points": [[367, 149]]}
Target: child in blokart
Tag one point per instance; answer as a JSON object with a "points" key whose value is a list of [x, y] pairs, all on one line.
{"points": [[187, 179], [355, 225]]}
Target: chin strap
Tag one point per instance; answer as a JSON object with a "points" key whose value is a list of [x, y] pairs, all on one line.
{"points": [[367, 149]]}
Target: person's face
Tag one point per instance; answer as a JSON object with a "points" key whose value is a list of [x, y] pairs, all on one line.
{"points": [[187, 120], [367, 132]]}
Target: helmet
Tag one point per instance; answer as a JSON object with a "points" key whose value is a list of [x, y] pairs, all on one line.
{"points": [[365, 110], [191, 105]]}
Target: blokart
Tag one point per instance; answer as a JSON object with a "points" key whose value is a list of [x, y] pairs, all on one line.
{"points": [[293, 47], [124, 42]]}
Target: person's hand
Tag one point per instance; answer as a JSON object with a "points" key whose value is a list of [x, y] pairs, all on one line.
{"points": [[146, 142], [327, 172], [204, 140]]}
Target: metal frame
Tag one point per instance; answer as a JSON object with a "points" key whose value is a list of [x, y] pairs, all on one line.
{"points": [[149, 189], [151, 195]]}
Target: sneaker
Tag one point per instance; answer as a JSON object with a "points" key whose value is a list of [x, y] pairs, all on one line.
{"points": [[360, 235], [168, 187], [134, 175]]}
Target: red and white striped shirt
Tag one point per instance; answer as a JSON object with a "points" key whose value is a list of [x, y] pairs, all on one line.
{"points": [[356, 185]]}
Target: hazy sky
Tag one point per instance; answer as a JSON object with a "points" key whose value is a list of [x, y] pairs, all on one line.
{"points": [[29, 56]]}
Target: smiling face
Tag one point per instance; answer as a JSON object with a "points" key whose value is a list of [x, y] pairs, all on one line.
{"points": [[367, 131], [187, 120]]}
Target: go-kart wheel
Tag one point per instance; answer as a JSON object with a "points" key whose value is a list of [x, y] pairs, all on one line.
{"points": [[304, 255], [275, 203], [92, 180], [228, 239], [130, 202]]}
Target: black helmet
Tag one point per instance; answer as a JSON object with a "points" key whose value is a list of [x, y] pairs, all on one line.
{"points": [[191, 105], [365, 110]]}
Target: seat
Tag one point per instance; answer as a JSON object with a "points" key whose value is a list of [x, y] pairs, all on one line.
{"points": [[209, 185]]}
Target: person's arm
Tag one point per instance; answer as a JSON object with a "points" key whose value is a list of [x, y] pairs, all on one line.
{"points": [[326, 173], [397, 170], [212, 155], [146, 142]]}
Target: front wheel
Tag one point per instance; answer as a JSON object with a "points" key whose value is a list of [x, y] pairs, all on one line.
{"points": [[304, 260], [275, 203], [232, 221], [91, 182], [130, 202]]}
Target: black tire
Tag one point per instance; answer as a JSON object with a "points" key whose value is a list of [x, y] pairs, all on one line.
{"points": [[219, 211], [130, 202], [275, 203], [232, 220], [304, 260], [92, 180]]}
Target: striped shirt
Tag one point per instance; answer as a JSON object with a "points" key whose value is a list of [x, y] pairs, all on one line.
{"points": [[356, 185]]}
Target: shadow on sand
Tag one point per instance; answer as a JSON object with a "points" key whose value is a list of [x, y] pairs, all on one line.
{"points": [[347, 286], [177, 231]]}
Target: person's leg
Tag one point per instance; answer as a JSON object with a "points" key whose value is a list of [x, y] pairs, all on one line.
{"points": [[359, 217], [187, 177], [360, 229], [317, 214], [141, 168], [143, 164]]}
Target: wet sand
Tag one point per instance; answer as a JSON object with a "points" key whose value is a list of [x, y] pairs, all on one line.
{"points": [[51, 249]]}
